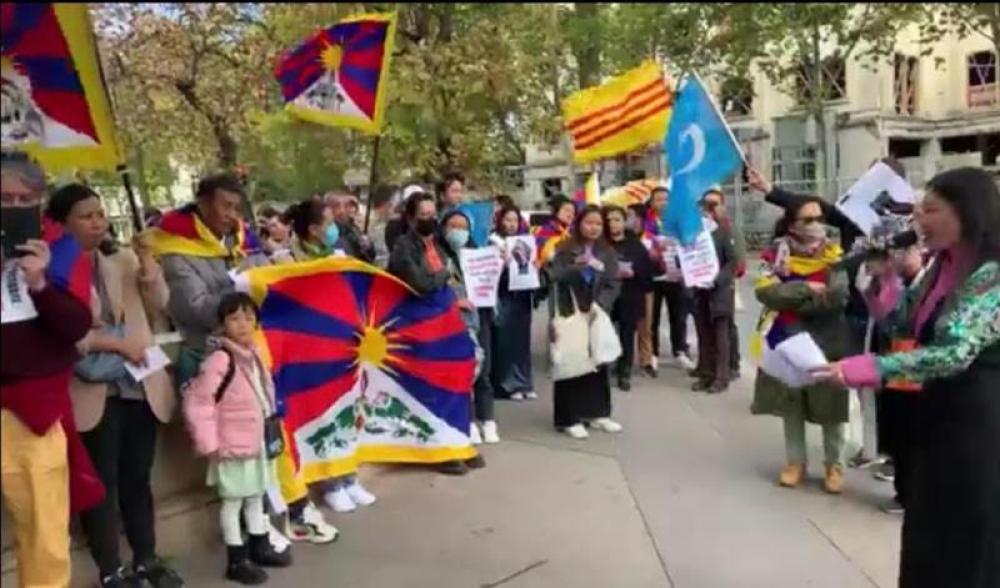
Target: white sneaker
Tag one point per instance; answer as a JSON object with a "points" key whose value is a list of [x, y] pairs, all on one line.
{"points": [[490, 434], [340, 501], [313, 527], [531, 395], [607, 425], [685, 362], [517, 396], [474, 437], [577, 431], [359, 495], [279, 542]]}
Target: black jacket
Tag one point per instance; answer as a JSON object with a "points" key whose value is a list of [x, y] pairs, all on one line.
{"points": [[567, 276], [408, 263], [350, 240], [631, 305], [722, 296]]}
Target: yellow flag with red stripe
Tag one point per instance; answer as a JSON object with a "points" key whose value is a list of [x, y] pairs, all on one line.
{"points": [[625, 114]]}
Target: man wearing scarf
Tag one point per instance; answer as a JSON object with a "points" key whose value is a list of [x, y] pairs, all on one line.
{"points": [[199, 246]]}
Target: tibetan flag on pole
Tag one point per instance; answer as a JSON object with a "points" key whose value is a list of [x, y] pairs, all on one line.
{"points": [[55, 106], [701, 152], [625, 114], [365, 370], [339, 76]]}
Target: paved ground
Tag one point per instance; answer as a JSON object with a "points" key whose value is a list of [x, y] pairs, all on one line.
{"points": [[685, 497]]}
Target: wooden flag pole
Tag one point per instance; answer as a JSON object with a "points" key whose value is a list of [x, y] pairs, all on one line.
{"points": [[133, 203], [372, 179]]}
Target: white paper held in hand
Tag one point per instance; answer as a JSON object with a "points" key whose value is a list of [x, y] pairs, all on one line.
{"points": [[156, 360], [802, 352]]}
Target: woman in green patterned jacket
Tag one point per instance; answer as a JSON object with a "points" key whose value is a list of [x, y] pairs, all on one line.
{"points": [[951, 529]]}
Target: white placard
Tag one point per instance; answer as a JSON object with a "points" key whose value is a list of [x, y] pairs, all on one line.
{"points": [[156, 360], [699, 262], [16, 304], [521, 268], [802, 352], [857, 203], [482, 269]]}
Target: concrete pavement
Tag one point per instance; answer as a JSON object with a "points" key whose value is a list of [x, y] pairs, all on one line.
{"points": [[684, 498]]}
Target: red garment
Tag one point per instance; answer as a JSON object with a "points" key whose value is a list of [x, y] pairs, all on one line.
{"points": [[37, 359], [431, 254]]}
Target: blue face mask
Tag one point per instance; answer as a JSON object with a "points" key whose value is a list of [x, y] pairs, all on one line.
{"points": [[331, 236], [457, 238]]}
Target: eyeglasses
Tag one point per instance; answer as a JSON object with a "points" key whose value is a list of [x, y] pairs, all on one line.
{"points": [[711, 205]]}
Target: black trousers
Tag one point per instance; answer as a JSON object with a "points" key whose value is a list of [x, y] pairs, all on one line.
{"points": [[678, 301], [122, 447], [715, 340], [896, 411], [627, 326], [482, 391]]}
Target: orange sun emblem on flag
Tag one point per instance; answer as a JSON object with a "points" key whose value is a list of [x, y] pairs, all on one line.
{"points": [[332, 56]]}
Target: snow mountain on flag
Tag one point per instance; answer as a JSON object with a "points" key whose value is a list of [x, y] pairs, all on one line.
{"points": [[337, 77]]}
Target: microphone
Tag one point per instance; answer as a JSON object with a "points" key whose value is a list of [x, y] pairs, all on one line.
{"points": [[897, 241]]}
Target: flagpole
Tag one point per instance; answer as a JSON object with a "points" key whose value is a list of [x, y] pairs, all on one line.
{"points": [[372, 179], [711, 100], [130, 193]]}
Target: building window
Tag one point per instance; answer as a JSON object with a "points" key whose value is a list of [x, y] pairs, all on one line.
{"points": [[905, 83], [834, 80], [736, 96], [982, 88]]}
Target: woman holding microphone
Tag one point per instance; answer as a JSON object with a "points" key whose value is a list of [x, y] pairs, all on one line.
{"points": [[951, 529]]}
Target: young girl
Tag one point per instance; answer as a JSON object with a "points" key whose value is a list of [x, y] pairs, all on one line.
{"points": [[226, 407]]}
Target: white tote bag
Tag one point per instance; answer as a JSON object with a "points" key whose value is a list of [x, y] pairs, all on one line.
{"points": [[605, 347], [571, 349]]}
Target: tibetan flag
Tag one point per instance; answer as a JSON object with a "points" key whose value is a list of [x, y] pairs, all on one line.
{"points": [[548, 237], [181, 232], [54, 102], [627, 113], [702, 152], [70, 268], [364, 369], [338, 77]]}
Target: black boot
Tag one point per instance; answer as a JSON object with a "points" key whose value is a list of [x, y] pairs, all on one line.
{"points": [[624, 384], [453, 468], [263, 554], [701, 385], [240, 569], [475, 463]]}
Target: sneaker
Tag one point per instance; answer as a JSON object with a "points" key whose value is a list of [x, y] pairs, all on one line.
{"points": [[262, 553], [860, 462], [280, 543], [650, 371], [791, 475], [834, 481], [453, 468], [312, 527], [531, 395], [892, 507], [474, 437], [701, 385], [717, 388], [624, 385], [360, 495], [158, 574], [121, 579], [577, 431], [886, 473], [340, 501], [684, 361], [476, 463], [490, 434], [607, 425], [517, 396]]}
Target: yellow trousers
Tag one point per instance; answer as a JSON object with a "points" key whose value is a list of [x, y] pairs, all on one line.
{"points": [[35, 483]]}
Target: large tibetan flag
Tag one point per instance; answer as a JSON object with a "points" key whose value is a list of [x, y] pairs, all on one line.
{"points": [[365, 370], [702, 153], [54, 102], [627, 113], [338, 77], [181, 232]]}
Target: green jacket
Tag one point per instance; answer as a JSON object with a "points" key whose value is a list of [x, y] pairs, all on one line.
{"points": [[822, 316]]}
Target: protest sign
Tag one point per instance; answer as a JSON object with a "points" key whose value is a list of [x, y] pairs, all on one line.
{"points": [[482, 269], [521, 267], [699, 263]]}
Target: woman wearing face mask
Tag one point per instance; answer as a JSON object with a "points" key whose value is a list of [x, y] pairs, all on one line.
{"points": [[511, 369], [585, 270], [455, 230], [635, 268], [951, 526], [316, 234], [426, 263], [802, 291]]}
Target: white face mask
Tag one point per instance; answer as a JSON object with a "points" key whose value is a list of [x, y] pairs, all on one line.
{"points": [[457, 238], [810, 233]]}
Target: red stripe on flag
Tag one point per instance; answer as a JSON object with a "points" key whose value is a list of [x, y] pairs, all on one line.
{"points": [[452, 376], [304, 407], [438, 327], [584, 119], [634, 120], [583, 134]]}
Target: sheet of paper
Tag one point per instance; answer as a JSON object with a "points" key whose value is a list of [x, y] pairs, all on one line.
{"points": [[482, 269], [699, 262], [156, 360], [15, 302], [774, 364], [802, 352], [857, 203], [521, 268]]}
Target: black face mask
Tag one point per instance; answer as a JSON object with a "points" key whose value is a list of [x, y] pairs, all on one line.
{"points": [[18, 224], [426, 226]]}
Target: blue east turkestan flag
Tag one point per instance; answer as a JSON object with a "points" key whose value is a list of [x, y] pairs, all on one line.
{"points": [[701, 153]]}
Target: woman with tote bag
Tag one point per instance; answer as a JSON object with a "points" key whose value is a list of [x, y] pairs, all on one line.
{"points": [[585, 281]]}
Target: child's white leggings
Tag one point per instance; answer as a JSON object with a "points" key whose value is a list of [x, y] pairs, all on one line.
{"points": [[229, 516]]}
